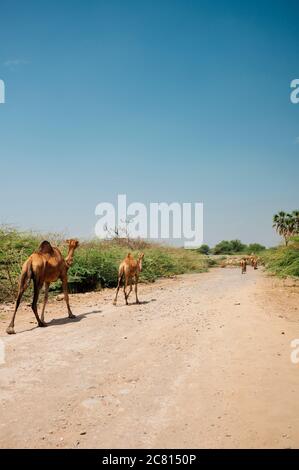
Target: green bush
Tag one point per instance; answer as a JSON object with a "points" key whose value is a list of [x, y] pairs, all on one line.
{"points": [[204, 249], [229, 247], [284, 260], [15, 247], [255, 248]]}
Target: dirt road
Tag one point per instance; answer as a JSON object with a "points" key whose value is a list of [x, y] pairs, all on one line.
{"points": [[203, 362]]}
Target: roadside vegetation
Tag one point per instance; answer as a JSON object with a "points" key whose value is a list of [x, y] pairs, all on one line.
{"points": [[283, 260]]}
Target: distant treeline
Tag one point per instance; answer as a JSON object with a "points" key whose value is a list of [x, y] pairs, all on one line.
{"points": [[230, 247]]}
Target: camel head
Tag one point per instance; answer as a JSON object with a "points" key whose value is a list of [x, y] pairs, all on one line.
{"points": [[72, 243]]}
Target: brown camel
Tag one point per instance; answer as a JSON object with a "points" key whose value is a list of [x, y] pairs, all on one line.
{"points": [[254, 262], [243, 264], [44, 266], [129, 269]]}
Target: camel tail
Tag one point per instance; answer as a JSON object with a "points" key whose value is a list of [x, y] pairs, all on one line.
{"points": [[26, 275], [121, 272]]}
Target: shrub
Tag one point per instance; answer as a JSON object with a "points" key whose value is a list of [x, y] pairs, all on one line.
{"points": [[204, 249], [229, 247], [284, 260], [255, 248]]}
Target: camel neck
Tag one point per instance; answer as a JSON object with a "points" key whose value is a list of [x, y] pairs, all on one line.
{"points": [[70, 257], [140, 265]]}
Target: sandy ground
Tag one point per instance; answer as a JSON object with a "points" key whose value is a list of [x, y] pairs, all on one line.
{"points": [[203, 362]]}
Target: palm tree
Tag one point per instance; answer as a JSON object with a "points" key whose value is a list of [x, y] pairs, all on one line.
{"points": [[286, 225], [295, 215], [290, 226], [280, 224]]}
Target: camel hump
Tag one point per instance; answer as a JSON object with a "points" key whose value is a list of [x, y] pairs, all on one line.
{"points": [[45, 248]]}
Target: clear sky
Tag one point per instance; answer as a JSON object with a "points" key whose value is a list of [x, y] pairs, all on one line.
{"points": [[164, 100]]}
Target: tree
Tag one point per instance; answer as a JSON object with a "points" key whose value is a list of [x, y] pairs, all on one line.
{"points": [[295, 215], [286, 225], [223, 247], [255, 248], [228, 247], [204, 249], [237, 246]]}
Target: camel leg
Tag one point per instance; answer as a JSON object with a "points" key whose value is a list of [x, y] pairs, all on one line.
{"points": [[66, 297], [24, 283], [42, 317], [131, 288], [10, 329], [136, 287], [117, 289], [37, 288], [125, 289]]}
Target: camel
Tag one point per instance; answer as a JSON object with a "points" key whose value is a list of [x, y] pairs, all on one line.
{"points": [[243, 264], [129, 269], [44, 266], [254, 262]]}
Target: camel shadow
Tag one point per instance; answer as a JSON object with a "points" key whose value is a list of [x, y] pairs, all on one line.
{"points": [[142, 302], [62, 321], [67, 320]]}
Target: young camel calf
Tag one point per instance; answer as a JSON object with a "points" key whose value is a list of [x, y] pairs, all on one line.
{"points": [[44, 266], [129, 269]]}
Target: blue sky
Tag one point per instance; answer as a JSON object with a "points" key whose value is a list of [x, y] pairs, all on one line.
{"points": [[164, 100]]}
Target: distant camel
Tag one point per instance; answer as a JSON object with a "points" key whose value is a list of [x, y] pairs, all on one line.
{"points": [[129, 269], [254, 262], [243, 264], [44, 266]]}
